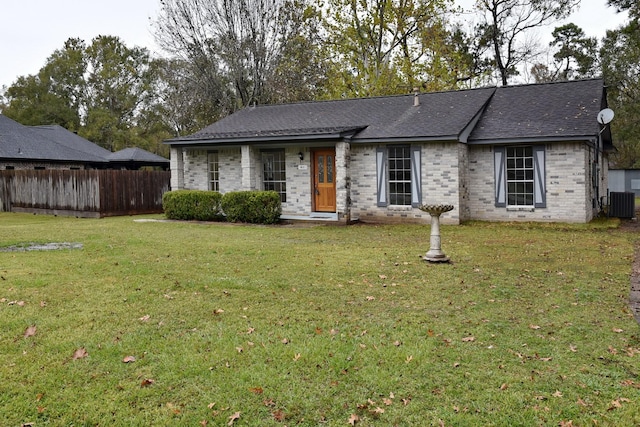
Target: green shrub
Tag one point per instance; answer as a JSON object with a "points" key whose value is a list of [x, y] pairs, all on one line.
{"points": [[193, 205], [256, 207]]}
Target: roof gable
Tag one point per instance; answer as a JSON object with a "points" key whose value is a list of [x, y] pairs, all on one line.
{"points": [[542, 111]]}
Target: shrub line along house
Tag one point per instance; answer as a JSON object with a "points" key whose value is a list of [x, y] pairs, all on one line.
{"points": [[529, 153]]}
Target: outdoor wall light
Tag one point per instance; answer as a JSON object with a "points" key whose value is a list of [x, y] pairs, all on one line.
{"points": [[301, 156]]}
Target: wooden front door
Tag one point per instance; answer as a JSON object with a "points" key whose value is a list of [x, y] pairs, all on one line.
{"points": [[324, 180]]}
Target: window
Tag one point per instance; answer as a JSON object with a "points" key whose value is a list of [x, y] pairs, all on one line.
{"points": [[214, 174], [520, 176], [398, 173], [273, 173]]}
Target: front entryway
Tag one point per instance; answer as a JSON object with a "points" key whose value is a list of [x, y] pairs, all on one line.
{"points": [[324, 180]]}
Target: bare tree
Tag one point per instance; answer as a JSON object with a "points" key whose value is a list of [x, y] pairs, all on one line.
{"points": [[506, 26]]}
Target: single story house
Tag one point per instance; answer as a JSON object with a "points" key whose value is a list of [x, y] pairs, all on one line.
{"points": [[54, 147], [516, 153]]}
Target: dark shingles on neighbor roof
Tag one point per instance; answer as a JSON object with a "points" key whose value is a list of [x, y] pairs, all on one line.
{"points": [[135, 154], [551, 110], [40, 143], [439, 115], [53, 143]]}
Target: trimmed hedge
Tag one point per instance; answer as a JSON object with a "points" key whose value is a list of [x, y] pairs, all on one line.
{"points": [[193, 205], [256, 207]]}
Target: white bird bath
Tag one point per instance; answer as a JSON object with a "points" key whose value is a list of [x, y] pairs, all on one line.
{"points": [[435, 253]]}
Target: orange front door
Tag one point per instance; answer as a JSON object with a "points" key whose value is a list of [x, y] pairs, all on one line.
{"points": [[324, 180]]}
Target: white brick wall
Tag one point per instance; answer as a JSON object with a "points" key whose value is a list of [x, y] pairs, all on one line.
{"points": [[567, 177], [452, 173], [440, 184]]}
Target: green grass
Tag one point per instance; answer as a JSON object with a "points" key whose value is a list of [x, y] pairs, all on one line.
{"points": [[309, 326]]}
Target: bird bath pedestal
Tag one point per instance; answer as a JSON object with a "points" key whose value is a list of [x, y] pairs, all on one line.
{"points": [[435, 253]]}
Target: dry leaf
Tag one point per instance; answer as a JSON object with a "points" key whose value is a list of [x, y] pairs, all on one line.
{"points": [[617, 330], [534, 327], [30, 331], [129, 359], [285, 341], [504, 386], [378, 410], [211, 405], [278, 415], [387, 402], [239, 349], [251, 330], [233, 418], [353, 419], [256, 390], [145, 318], [468, 339], [147, 382], [80, 353], [409, 359], [218, 311], [296, 357], [558, 393]]}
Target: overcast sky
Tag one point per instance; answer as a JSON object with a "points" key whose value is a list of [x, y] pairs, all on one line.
{"points": [[30, 30]]}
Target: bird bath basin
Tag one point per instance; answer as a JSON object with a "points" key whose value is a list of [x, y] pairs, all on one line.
{"points": [[435, 253]]}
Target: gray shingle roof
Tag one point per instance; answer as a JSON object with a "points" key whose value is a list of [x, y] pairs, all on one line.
{"points": [[56, 144], [513, 113], [542, 111], [20, 142], [440, 115], [136, 154]]}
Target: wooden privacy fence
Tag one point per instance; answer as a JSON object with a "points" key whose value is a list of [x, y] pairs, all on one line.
{"points": [[83, 193]]}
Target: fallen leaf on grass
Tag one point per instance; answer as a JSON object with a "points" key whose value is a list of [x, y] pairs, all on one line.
{"points": [[145, 318], [558, 393], [233, 418], [296, 357], [536, 327], [256, 390], [147, 382], [617, 330], [278, 415], [468, 339], [129, 359], [80, 353], [387, 402], [211, 405], [218, 311], [353, 419], [30, 331]]}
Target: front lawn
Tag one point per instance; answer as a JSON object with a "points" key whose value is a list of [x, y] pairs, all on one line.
{"points": [[170, 323]]}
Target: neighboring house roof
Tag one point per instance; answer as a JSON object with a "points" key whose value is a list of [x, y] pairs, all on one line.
{"points": [[54, 143], [137, 155], [559, 110], [546, 112], [18, 142]]}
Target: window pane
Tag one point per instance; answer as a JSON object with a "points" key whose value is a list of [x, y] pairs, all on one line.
{"points": [[329, 169], [273, 172], [321, 169], [214, 175], [519, 176], [399, 175]]}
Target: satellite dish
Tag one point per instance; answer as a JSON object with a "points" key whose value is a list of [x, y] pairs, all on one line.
{"points": [[605, 116]]}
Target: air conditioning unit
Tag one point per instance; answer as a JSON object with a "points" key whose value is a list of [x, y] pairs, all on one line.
{"points": [[622, 204]]}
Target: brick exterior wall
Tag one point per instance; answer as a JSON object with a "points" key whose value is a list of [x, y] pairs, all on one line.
{"points": [[452, 173], [568, 186], [440, 184]]}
